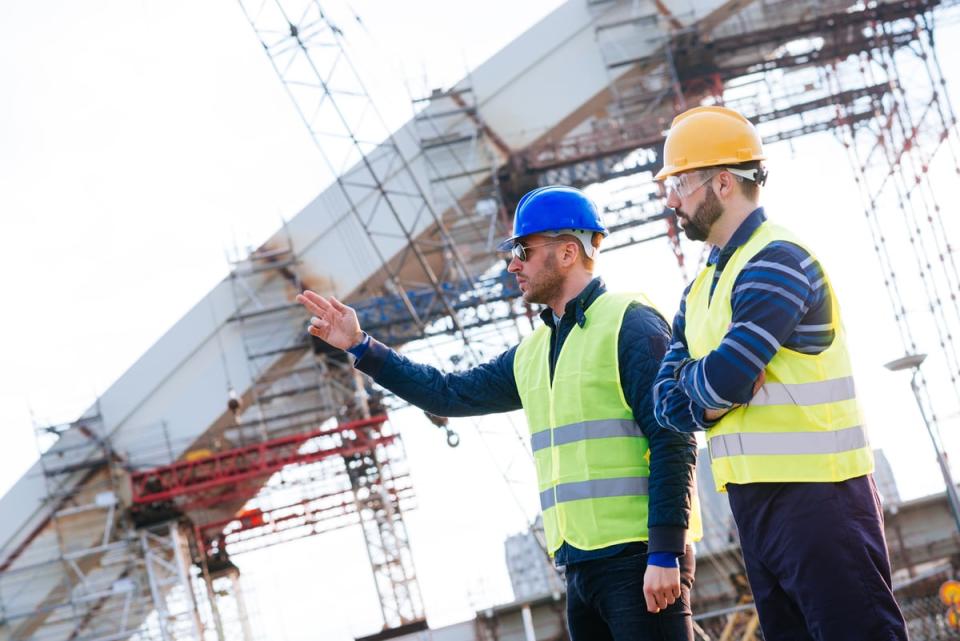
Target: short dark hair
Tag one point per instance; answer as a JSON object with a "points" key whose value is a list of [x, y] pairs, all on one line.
{"points": [[594, 240]]}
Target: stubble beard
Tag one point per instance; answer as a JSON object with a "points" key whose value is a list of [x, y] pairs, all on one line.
{"points": [[547, 285]]}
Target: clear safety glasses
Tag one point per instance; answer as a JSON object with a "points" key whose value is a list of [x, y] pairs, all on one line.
{"points": [[685, 185]]}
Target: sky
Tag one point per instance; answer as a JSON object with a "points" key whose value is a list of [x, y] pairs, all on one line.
{"points": [[141, 143]]}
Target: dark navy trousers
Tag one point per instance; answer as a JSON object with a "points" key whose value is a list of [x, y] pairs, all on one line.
{"points": [[605, 601], [817, 562]]}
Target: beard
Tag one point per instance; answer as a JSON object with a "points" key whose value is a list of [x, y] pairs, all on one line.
{"points": [[697, 226], [547, 285]]}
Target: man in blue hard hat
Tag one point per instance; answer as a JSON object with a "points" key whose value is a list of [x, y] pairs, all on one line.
{"points": [[616, 493]]}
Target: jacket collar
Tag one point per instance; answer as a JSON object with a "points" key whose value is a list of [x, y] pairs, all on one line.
{"points": [[577, 306], [719, 257]]}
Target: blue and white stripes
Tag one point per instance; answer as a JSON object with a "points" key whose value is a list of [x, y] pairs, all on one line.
{"points": [[780, 299]]}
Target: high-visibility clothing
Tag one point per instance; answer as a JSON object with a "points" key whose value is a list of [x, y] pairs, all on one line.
{"points": [[804, 424], [591, 457]]}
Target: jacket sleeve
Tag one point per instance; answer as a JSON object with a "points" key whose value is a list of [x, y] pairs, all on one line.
{"points": [[486, 389], [644, 338], [672, 407], [771, 295]]}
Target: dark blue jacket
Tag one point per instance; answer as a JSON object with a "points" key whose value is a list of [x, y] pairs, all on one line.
{"points": [[491, 387]]}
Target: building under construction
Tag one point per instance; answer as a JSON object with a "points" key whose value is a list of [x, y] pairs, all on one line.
{"points": [[236, 431]]}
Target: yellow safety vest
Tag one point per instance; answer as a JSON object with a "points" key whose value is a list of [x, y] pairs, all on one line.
{"points": [[804, 424], [591, 457]]}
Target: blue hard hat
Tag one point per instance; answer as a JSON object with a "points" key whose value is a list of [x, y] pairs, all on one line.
{"points": [[553, 208]]}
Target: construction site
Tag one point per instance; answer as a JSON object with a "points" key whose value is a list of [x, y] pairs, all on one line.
{"points": [[236, 435]]}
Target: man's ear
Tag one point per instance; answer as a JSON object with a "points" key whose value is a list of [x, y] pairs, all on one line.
{"points": [[728, 184]]}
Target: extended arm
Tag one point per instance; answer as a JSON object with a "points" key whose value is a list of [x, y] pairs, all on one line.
{"points": [[485, 389]]}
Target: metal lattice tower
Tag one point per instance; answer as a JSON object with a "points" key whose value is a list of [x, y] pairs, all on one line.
{"points": [[893, 159], [437, 289], [100, 577], [383, 191], [300, 384]]}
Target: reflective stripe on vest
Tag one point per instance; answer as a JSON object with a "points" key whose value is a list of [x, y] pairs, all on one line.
{"points": [[591, 456], [788, 443], [804, 424], [595, 489], [604, 428], [830, 391]]}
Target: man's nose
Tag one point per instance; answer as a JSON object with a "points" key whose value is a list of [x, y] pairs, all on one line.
{"points": [[515, 265], [673, 201]]}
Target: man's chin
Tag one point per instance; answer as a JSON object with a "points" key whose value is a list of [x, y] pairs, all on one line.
{"points": [[693, 232], [530, 297]]}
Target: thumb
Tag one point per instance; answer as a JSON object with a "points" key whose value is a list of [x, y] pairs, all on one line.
{"points": [[760, 381], [337, 305]]}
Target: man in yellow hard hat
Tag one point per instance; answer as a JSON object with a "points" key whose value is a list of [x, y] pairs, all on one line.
{"points": [[618, 508], [759, 361]]}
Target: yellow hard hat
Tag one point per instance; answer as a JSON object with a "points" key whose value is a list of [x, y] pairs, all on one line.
{"points": [[709, 137]]}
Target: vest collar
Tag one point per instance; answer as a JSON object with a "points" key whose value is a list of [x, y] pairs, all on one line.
{"points": [[577, 307], [719, 257]]}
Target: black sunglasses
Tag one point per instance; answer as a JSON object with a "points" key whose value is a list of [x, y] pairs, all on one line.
{"points": [[520, 251]]}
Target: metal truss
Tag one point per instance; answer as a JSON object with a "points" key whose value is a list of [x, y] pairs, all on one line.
{"points": [[371, 166], [896, 168], [298, 386], [417, 236]]}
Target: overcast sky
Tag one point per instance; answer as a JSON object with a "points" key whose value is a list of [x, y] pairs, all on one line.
{"points": [[141, 142]]}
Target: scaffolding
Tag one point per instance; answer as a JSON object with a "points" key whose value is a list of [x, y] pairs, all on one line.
{"points": [[87, 572], [893, 155], [311, 456], [462, 156], [143, 548], [442, 278]]}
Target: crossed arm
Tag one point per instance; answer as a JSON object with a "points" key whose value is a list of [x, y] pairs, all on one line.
{"points": [[779, 300]]}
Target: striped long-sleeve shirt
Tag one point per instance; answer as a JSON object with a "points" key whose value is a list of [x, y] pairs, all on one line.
{"points": [[779, 300]]}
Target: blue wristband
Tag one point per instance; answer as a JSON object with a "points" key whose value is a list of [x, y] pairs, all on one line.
{"points": [[360, 348], [663, 559]]}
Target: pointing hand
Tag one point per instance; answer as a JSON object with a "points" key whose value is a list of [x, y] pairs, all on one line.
{"points": [[333, 322]]}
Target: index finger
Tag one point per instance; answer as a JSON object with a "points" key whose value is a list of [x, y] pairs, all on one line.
{"points": [[314, 302]]}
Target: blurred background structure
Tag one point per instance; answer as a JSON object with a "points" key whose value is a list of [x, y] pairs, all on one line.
{"points": [[236, 432]]}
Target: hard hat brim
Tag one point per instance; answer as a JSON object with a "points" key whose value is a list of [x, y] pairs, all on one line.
{"points": [[671, 170]]}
